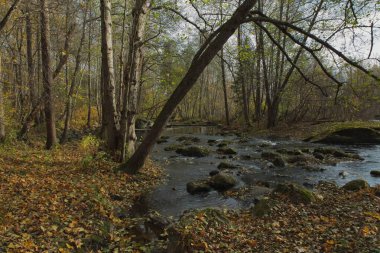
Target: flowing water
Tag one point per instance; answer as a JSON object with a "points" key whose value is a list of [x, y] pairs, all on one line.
{"points": [[172, 199]]}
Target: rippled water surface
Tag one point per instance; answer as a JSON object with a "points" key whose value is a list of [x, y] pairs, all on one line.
{"points": [[171, 198]]}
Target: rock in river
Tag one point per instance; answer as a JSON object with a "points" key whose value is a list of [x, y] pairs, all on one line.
{"points": [[226, 151], [375, 173], [198, 186], [193, 151], [224, 165], [356, 185], [222, 181]]}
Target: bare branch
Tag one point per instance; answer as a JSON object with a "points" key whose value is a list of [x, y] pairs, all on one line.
{"points": [[4, 21]]}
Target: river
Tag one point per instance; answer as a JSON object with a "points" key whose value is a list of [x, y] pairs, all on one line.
{"points": [[172, 199]]}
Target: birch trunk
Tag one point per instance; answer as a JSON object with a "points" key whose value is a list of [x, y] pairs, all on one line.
{"points": [[132, 76], [110, 117]]}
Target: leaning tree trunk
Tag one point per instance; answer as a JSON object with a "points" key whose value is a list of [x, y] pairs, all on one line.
{"points": [[132, 75], [110, 118], [9, 13], [200, 61], [47, 76]]}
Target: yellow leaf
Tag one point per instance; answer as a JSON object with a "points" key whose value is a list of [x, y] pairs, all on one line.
{"points": [[252, 243], [373, 215]]}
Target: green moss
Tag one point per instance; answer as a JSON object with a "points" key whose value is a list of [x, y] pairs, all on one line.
{"points": [[323, 130], [263, 207], [296, 193], [193, 151], [356, 185]]}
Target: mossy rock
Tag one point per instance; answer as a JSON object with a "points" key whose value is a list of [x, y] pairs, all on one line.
{"points": [[319, 156], [226, 151], [188, 138], [301, 159], [289, 151], [311, 168], [222, 181], [263, 207], [270, 156], [296, 193], [198, 186], [375, 173], [160, 141], [193, 151], [356, 185], [349, 136], [224, 165], [279, 162], [173, 147], [223, 144]]}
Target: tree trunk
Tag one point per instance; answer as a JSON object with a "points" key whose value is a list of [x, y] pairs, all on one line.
{"points": [[2, 120], [242, 79], [226, 110], [89, 81], [202, 58], [29, 56], [110, 117], [34, 113], [69, 102], [47, 75], [132, 75]]}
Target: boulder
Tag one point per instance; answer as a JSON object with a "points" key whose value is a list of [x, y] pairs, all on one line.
{"points": [[313, 168], [226, 151], [318, 155], [263, 207], [343, 174], [213, 172], [375, 173], [223, 144], [189, 139], [296, 193], [173, 147], [222, 181], [356, 185], [268, 155], [224, 165], [301, 159], [193, 151], [289, 151], [351, 136], [162, 140], [279, 162], [211, 142], [198, 186]]}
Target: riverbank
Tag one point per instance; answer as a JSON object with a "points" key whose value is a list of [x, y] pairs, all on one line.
{"points": [[302, 131], [68, 200], [336, 221]]}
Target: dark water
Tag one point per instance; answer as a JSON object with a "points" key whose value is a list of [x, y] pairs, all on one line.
{"points": [[171, 198]]}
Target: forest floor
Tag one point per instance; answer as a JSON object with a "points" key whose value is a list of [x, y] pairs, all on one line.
{"points": [[338, 221], [71, 199], [67, 199]]}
